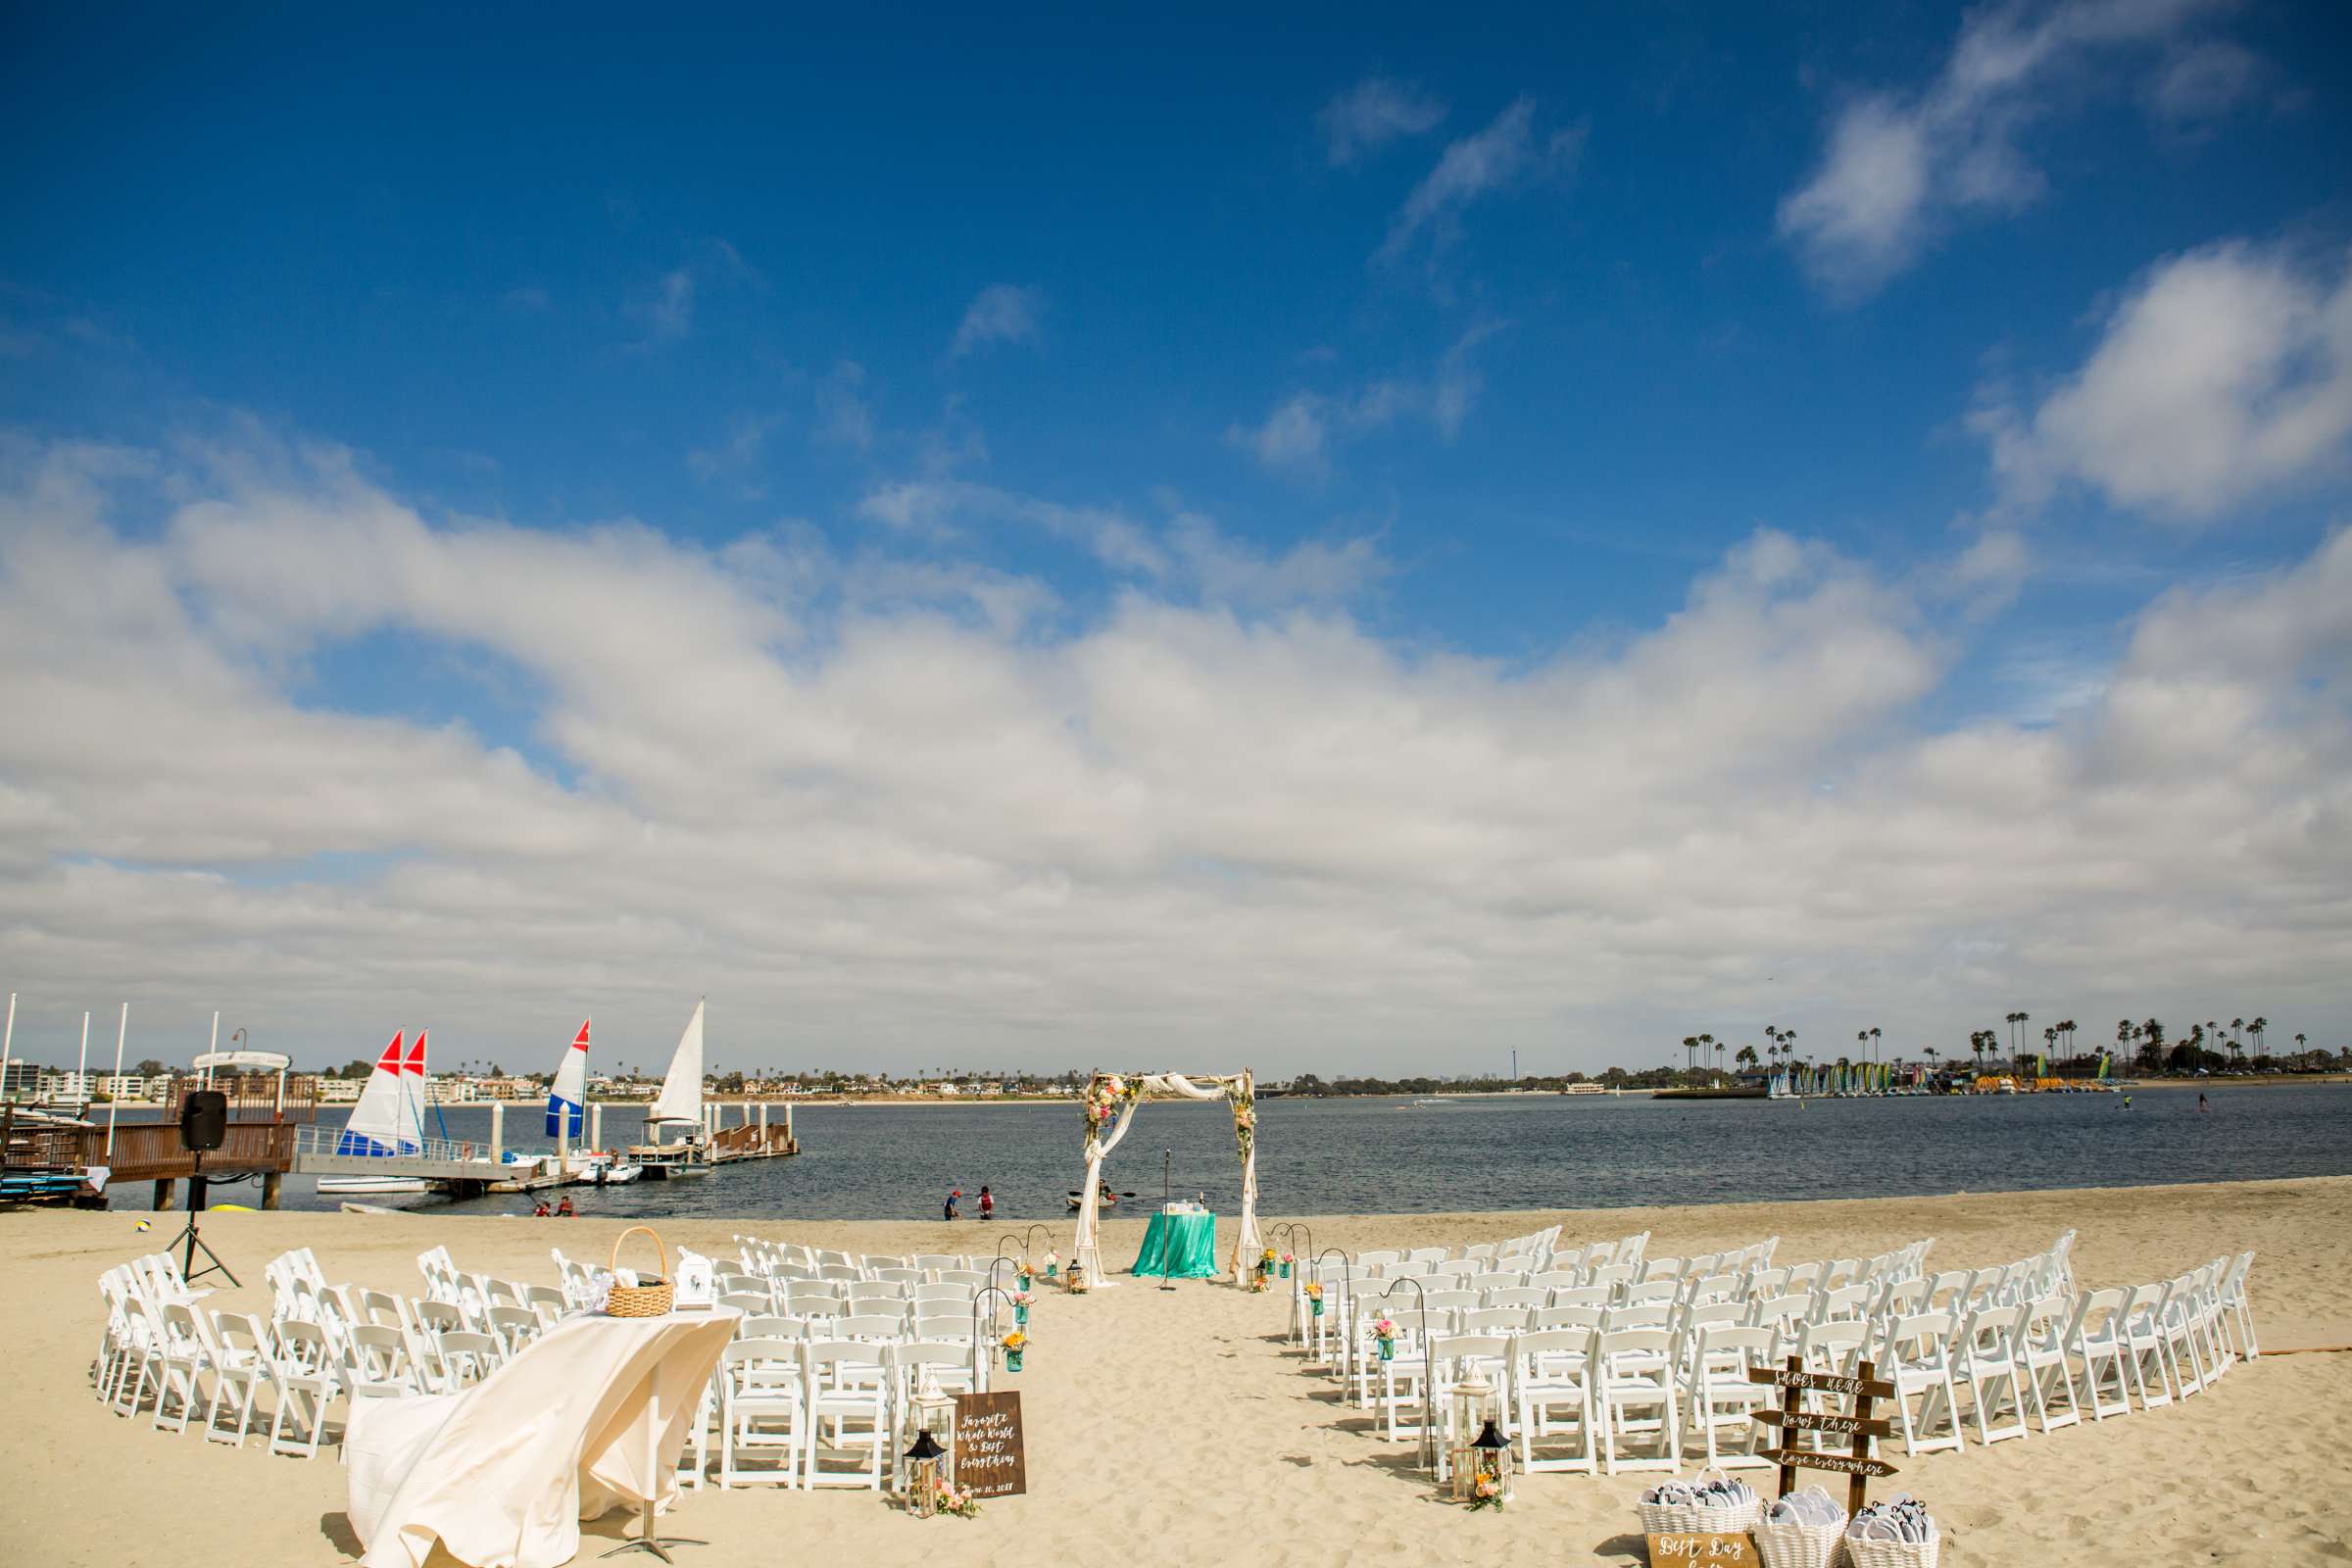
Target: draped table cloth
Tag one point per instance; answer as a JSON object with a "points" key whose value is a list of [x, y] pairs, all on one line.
{"points": [[1187, 1241], [588, 1418]]}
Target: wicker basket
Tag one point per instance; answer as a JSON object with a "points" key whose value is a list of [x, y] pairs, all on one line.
{"points": [[1660, 1518], [1799, 1545], [644, 1298], [1894, 1554]]}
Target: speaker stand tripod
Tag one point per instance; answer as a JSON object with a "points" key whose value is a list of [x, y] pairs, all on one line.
{"points": [[188, 1271]]}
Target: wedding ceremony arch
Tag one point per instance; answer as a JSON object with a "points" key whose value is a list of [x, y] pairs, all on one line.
{"points": [[1110, 1102]]}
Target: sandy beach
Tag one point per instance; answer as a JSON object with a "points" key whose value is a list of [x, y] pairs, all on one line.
{"points": [[1176, 1428]]}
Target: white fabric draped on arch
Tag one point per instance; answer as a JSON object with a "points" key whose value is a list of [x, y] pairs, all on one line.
{"points": [[1110, 1102]]}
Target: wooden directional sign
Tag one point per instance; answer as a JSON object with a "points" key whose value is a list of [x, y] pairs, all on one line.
{"points": [[1794, 1382], [1812, 1421], [1843, 1464], [1793, 1377]]}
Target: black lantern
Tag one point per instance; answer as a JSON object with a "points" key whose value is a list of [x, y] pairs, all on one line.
{"points": [[926, 1463], [1490, 1468]]}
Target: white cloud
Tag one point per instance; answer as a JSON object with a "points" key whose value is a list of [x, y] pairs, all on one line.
{"points": [[1001, 313], [2222, 376], [1290, 436], [735, 454], [905, 819], [1507, 153], [1297, 435], [1900, 165], [1372, 114]]}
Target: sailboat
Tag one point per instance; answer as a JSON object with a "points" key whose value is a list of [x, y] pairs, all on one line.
{"points": [[680, 1107], [566, 1115], [385, 1122]]}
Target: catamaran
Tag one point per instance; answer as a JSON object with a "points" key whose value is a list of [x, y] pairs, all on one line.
{"points": [[388, 1121], [679, 1109]]}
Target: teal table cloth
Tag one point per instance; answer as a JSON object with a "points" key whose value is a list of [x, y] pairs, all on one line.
{"points": [[1190, 1243]]}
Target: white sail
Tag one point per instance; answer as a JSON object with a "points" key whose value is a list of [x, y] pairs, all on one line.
{"points": [[380, 1123], [413, 1090], [682, 1089], [570, 1091]]}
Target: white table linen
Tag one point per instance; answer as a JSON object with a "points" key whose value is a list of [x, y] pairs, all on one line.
{"points": [[588, 1418]]}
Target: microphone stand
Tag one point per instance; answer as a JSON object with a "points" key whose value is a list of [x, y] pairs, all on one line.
{"points": [[1168, 1221]]}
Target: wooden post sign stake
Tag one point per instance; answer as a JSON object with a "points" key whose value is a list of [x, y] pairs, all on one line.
{"points": [[1794, 1382], [989, 1461]]}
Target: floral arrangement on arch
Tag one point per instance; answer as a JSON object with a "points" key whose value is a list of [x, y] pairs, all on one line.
{"points": [[1243, 1099], [1106, 1098]]}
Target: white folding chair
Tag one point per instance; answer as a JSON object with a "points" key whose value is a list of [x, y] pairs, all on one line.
{"points": [[762, 1401], [847, 1413], [1553, 1399], [1718, 1393], [1988, 1361], [1631, 1371]]}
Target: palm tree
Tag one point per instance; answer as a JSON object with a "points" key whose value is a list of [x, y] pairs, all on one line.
{"points": [[2298, 1045], [1706, 1043], [2153, 1032], [2258, 1028], [1874, 1039], [1746, 1057], [1690, 1048], [2236, 1024], [1719, 1059], [2236, 1050]]}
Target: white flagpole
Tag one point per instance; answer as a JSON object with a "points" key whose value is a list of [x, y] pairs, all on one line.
{"points": [[81, 1068], [114, 1101]]}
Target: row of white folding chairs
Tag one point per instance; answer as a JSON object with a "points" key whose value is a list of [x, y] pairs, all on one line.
{"points": [[2066, 1356], [879, 1327], [830, 1412]]}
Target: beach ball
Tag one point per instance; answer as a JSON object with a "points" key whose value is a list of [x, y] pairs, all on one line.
{"points": [[144, 1225]]}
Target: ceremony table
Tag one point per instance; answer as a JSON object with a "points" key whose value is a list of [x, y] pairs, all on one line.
{"points": [[588, 1417], [1191, 1244]]}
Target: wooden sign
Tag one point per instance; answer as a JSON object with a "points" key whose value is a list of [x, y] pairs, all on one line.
{"points": [[1814, 1421], [1844, 1464], [1795, 1381], [990, 1458], [1794, 1376], [1711, 1549]]}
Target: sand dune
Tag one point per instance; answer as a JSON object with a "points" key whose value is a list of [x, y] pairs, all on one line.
{"points": [[1174, 1427]]}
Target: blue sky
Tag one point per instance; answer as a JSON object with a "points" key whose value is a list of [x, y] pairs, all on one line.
{"points": [[1486, 346]]}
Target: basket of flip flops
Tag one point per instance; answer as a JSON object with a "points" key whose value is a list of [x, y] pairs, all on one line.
{"points": [[1801, 1530], [1898, 1533], [652, 1294], [1709, 1501]]}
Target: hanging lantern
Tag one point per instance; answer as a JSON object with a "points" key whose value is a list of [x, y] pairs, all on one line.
{"points": [[927, 1474], [1473, 1414], [1491, 1482], [1314, 1297], [1015, 1344]]}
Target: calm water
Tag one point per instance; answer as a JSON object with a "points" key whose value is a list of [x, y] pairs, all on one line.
{"points": [[1326, 1157]]}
